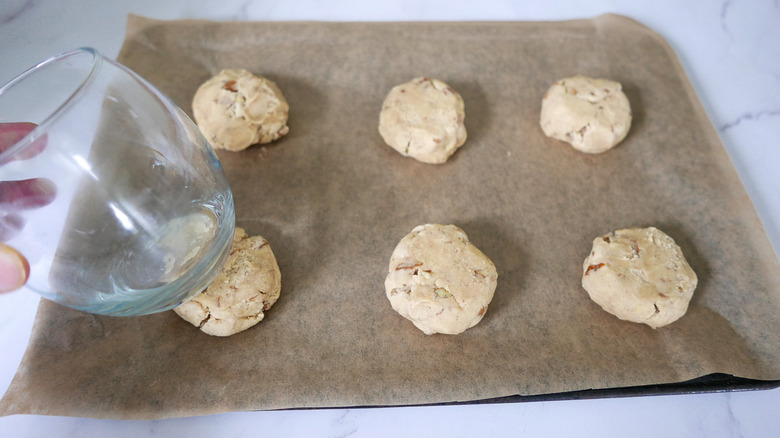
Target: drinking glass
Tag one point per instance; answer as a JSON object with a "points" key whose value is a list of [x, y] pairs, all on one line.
{"points": [[108, 189]]}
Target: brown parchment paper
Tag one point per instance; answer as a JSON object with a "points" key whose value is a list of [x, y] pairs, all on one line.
{"points": [[334, 200]]}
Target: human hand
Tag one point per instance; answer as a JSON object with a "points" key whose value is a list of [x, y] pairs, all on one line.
{"points": [[16, 196]]}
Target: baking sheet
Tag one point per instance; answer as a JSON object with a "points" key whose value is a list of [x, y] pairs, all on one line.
{"points": [[333, 201]]}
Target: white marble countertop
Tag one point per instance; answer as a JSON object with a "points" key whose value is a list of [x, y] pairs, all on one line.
{"points": [[731, 51]]}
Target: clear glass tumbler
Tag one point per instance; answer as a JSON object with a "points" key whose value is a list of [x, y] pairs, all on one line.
{"points": [[108, 189]]}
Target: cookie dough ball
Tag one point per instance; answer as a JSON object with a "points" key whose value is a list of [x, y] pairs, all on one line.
{"points": [[440, 281], [593, 115], [423, 119], [639, 275], [236, 109], [248, 285]]}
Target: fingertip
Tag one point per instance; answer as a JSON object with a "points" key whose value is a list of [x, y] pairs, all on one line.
{"points": [[14, 269], [11, 133]]}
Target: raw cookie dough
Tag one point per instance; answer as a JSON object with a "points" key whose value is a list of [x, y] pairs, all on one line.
{"points": [[639, 275], [440, 281], [593, 115], [236, 109], [423, 119], [248, 285]]}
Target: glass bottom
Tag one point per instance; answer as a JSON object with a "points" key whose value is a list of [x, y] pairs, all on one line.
{"points": [[133, 291]]}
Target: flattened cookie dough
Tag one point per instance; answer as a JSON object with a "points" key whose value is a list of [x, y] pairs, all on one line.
{"points": [[593, 115], [248, 285], [440, 281], [236, 109], [423, 119], [639, 275]]}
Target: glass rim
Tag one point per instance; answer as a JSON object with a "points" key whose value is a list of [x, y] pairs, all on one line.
{"points": [[79, 90]]}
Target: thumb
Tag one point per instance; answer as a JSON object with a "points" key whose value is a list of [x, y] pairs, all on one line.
{"points": [[14, 269]]}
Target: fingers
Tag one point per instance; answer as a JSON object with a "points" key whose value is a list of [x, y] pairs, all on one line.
{"points": [[14, 269], [16, 196], [10, 133], [19, 195], [26, 194], [10, 225]]}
